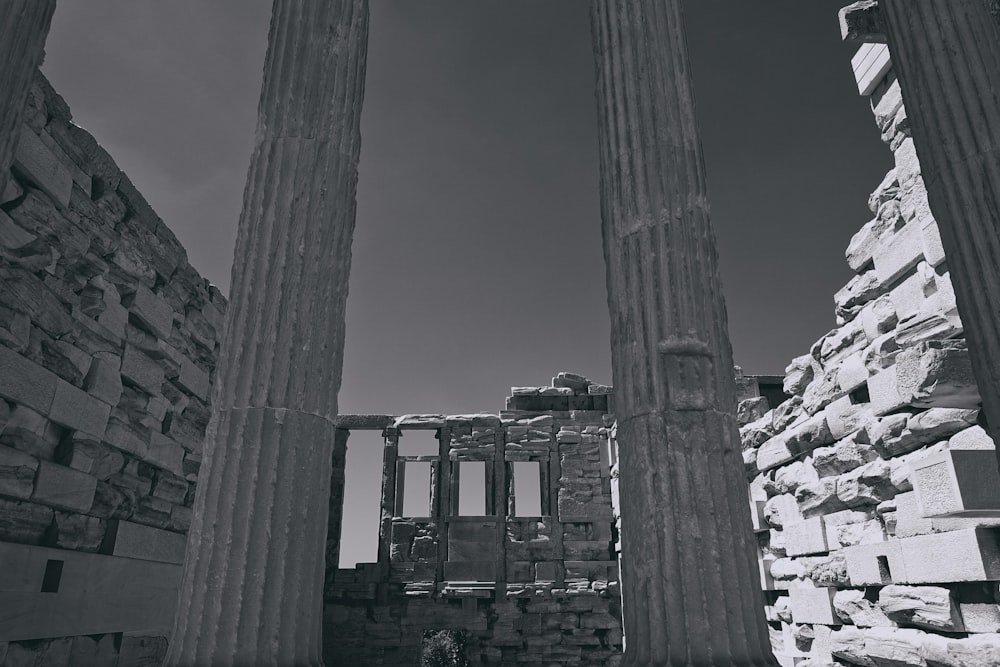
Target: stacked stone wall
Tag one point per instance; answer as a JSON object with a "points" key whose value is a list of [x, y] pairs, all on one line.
{"points": [[108, 343], [872, 484]]}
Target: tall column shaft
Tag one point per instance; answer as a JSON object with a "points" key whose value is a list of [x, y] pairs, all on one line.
{"points": [[946, 55], [24, 25], [253, 578], [690, 585]]}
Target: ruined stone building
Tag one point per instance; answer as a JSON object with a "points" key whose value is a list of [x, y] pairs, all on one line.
{"points": [[873, 486]]}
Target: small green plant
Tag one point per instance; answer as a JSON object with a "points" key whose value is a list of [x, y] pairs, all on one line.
{"points": [[443, 648]]}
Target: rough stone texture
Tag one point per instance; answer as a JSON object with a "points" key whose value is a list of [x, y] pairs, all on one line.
{"points": [[947, 56], [24, 25], [268, 454], [671, 356]]}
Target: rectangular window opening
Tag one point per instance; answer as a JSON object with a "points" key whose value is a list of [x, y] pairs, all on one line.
{"points": [[417, 489], [362, 498], [472, 488], [527, 488], [418, 442]]}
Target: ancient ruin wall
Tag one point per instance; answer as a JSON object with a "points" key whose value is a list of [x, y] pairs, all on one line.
{"points": [[107, 349], [517, 589], [871, 486]]}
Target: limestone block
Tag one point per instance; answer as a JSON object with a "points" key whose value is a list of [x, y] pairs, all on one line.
{"points": [[17, 473], [858, 291], [25, 382], [937, 374], [956, 556], [152, 511], [870, 564], [973, 651], [862, 246], [931, 607], [867, 485], [840, 343], [104, 380], [757, 432], [883, 388], [790, 477], [170, 488], [853, 607], [894, 647], [83, 453], [922, 327], [822, 391], [819, 498], [30, 432], [798, 375], [77, 531], [852, 527], [114, 317], [980, 616], [42, 167], [15, 329], [898, 252], [62, 358], [165, 453], [12, 235], [808, 434], [933, 250], [909, 522], [78, 410], [962, 482], [786, 413], [782, 510], [852, 373], [813, 605], [848, 644], [902, 433], [141, 649], [910, 296], [805, 537], [23, 522], [142, 371], [93, 650], [748, 411], [844, 417], [786, 569], [193, 379], [878, 317], [973, 437], [64, 487], [180, 519], [881, 353], [774, 453], [151, 311], [842, 457]]}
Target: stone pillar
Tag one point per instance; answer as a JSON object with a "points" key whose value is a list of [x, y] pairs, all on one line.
{"points": [[335, 520], [946, 55], [24, 25], [253, 578], [690, 586]]}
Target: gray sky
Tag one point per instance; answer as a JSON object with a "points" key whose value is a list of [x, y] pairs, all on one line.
{"points": [[477, 260]]}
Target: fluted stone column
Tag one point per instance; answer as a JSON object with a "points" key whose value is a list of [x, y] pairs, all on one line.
{"points": [[690, 586], [253, 578], [24, 25], [946, 55]]}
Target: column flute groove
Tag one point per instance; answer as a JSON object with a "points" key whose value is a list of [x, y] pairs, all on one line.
{"points": [[252, 589], [946, 55], [685, 519]]}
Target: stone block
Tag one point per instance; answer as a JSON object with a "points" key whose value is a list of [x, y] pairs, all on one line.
{"points": [[808, 434], [974, 437], [841, 532], [898, 252], [895, 647], [77, 531], [31, 433], [781, 510], [853, 373], [78, 410], [93, 651], [878, 317], [956, 483], [931, 237], [980, 616], [141, 370], [798, 375], [819, 498], [23, 381], [956, 556], [133, 540], [925, 327], [842, 457], [12, 235], [862, 245], [546, 572], [937, 374], [883, 388], [151, 311], [17, 473], [123, 437], [140, 650], [813, 605], [931, 607], [170, 487], [853, 607], [193, 379], [774, 453], [104, 381], [23, 522], [848, 644], [165, 453], [153, 511], [42, 167], [845, 417], [867, 485], [83, 453], [871, 564], [909, 522], [64, 487], [806, 537]]}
